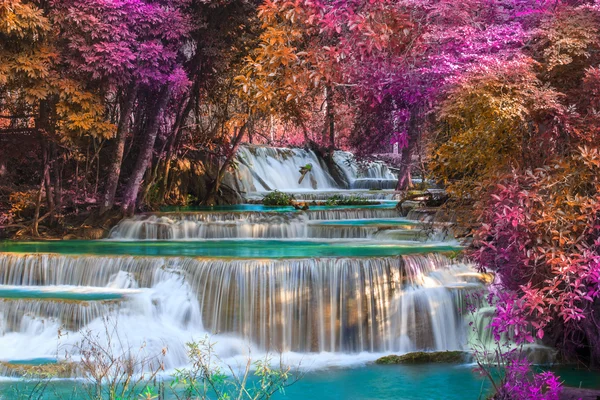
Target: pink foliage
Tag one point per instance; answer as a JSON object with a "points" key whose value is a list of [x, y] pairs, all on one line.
{"points": [[543, 245], [125, 40]]}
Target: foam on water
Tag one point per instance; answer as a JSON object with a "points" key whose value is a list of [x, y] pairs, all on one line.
{"points": [[327, 311], [327, 287], [268, 168]]}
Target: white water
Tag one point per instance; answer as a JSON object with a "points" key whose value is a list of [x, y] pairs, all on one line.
{"points": [[257, 225], [319, 312], [311, 307], [279, 169], [263, 169], [301, 225]]}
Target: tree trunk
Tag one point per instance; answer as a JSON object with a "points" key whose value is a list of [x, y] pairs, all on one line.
{"points": [[57, 169], [48, 181], [330, 122], [38, 203], [177, 132], [114, 169], [145, 155], [404, 176], [211, 197], [43, 123]]}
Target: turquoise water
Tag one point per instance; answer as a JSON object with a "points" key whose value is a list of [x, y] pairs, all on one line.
{"points": [[34, 361], [230, 248], [362, 222], [400, 382], [19, 292], [438, 381]]}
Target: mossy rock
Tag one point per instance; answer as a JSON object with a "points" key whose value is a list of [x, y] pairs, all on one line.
{"points": [[60, 369], [421, 357], [91, 233]]}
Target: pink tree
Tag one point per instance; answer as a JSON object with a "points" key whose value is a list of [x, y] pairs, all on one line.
{"points": [[124, 49], [399, 58]]}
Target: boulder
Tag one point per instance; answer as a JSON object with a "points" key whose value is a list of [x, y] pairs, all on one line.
{"points": [[421, 357], [570, 393]]}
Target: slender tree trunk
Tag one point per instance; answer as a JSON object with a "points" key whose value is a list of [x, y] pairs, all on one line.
{"points": [[114, 169], [174, 144], [57, 169], [330, 122], [305, 133], [42, 123], [145, 155], [404, 176], [38, 202], [48, 181], [214, 190]]}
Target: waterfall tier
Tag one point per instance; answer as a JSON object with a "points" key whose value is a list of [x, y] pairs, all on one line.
{"points": [[322, 195], [269, 168], [263, 225], [340, 305]]}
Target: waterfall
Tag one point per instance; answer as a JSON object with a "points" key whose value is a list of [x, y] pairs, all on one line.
{"points": [[324, 286], [196, 226], [268, 168], [373, 195], [339, 305], [365, 175], [268, 225]]}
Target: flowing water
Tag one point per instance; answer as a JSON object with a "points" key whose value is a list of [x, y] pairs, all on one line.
{"points": [[267, 168], [326, 287]]}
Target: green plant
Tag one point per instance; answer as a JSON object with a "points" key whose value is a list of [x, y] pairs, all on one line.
{"points": [[112, 369], [339, 200], [205, 379], [277, 198]]}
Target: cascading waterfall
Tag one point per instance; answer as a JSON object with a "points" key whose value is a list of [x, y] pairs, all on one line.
{"points": [[268, 168], [320, 196], [207, 225], [338, 305], [366, 175], [349, 303], [197, 226]]}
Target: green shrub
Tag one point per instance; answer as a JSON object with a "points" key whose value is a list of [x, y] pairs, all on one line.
{"points": [[339, 200], [277, 198]]}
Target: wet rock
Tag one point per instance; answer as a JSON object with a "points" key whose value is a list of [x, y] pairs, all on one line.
{"points": [[570, 393], [93, 233], [421, 357], [48, 370]]}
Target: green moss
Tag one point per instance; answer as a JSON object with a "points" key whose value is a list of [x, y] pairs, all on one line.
{"points": [[340, 200], [47, 370], [421, 357], [277, 198]]}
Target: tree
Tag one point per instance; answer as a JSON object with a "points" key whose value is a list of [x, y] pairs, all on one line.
{"points": [[498, 118], [539, 234], [122, 48]]}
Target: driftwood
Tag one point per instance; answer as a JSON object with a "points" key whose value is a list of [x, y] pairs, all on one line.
{"points": [[303, 171], [430, 199]]}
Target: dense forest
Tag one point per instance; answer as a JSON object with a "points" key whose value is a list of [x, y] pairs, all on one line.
{"points": [[109, 104], [109, 107]]}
